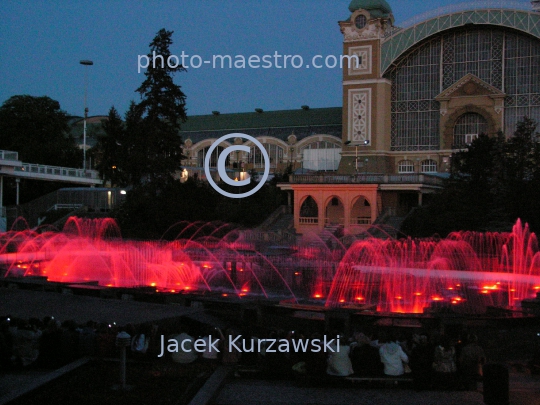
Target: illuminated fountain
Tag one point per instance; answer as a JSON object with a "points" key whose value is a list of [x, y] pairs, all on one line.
{"points": [[465, 273], [204, 257]]}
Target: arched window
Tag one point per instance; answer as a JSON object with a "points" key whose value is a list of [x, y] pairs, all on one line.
{"points": [[201, 156], [275, 153], [429, 166], [406, 166], [309, 211], [467, 129]]}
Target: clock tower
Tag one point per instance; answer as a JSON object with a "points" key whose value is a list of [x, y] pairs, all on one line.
{"points": [[366, 94]]}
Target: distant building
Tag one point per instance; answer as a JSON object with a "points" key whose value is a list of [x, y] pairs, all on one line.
{"points": [[309, 139], [420, 93]]}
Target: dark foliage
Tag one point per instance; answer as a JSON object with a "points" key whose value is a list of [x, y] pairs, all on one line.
{"points": [[493, 183], [109, 153], [147, 148], [147, 215], [37, 128]]}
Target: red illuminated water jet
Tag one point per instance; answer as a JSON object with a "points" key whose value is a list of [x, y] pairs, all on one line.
{"points": [[467, 272], [464, 273], [92, 251]]}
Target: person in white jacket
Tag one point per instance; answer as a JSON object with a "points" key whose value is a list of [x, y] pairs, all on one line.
{"points": [[393, 357], [339, 363]]}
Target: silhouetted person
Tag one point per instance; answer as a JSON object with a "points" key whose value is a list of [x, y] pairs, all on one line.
{"points": [[471, 362], [50, 352], [421, 362], [366, 360], [26, 345], [444, 364]]}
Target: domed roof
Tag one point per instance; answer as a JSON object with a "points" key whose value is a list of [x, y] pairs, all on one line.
{"points": [[377, 8]]}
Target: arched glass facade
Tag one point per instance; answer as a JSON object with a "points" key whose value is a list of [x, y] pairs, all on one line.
{"points": [[275, 153], [507, 60], [201, 156]]}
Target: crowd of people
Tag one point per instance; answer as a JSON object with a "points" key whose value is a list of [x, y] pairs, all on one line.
{"points": [[435, 362], [432, 362], [49, 343]]}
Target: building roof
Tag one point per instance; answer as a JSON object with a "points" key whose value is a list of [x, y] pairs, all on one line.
{"points": [[377, 8], [279, 124]]}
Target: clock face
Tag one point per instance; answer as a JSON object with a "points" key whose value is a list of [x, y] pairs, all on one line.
{"points": [[360, 21]]}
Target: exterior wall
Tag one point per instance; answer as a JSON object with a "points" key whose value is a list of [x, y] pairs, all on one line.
{"points": [[372, 146], [292, 151], [348, 195], [470, 94], [369, 48]]}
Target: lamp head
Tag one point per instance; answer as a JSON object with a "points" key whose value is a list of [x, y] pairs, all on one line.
{"points": [[86, 62]]}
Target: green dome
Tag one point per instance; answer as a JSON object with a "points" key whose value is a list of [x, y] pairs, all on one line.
{"points": [[377, 8]]}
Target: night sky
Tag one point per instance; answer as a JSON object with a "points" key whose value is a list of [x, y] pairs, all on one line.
{"points": [[42, 43]]}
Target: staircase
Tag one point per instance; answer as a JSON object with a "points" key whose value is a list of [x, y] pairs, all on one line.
{"points": [[280, 220], [96, 200], [277, 228], [284, 222], [387, 225], [387, 229]]}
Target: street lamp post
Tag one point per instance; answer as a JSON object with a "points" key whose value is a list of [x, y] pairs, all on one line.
{"points": [[85, 63], [365, 143]]}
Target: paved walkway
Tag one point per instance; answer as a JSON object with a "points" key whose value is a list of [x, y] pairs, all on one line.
{"points": [[524, 390], [16, 384], [37, 304]]}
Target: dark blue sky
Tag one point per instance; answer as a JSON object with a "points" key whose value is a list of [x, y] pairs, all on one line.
{"points": [[41, 43]]}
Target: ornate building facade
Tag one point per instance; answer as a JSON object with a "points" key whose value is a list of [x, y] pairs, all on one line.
{"points": [[419, 93]]}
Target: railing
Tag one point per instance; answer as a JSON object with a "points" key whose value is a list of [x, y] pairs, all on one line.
{"points": [[361, 221], [9, 155], [268, 236], [334, 221], [58, 171], [411, 178], [56, 207], [308, 221]]}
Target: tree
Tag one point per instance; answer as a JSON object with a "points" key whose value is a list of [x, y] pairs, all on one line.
{"points": [[493, 183], [147, 148], [38, 129], [521, 173], [108, 152], [523, 151], [156, 120]]}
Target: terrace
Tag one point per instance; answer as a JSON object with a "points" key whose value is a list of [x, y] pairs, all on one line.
{"points": [[409, 178]]}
